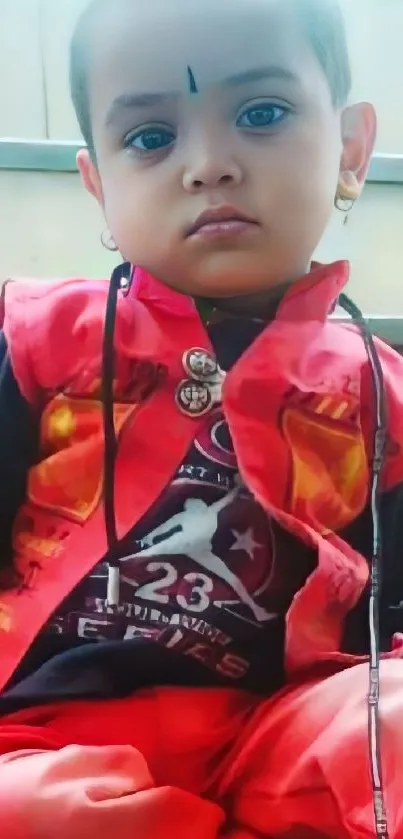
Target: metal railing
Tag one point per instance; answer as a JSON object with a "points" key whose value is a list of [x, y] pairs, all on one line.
{"points": [[387, 327]]}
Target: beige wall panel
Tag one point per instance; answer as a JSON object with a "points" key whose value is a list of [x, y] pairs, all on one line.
{"points": [[373, 241], [49, 227]]}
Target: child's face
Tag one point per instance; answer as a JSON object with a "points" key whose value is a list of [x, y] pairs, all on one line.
{"points": [[260, 136]]}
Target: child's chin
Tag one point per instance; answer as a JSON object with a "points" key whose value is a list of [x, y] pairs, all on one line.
{"points": [[227, 277]]}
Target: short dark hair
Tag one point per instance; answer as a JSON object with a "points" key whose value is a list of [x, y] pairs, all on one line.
{"points": [[321, 20], [79, 63]]}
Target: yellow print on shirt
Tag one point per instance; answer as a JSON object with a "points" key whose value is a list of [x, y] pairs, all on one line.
{"points": [[329, 481], [6, 618], [69, 478]]}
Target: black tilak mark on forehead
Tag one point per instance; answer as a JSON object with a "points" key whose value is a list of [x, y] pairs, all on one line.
{"points": [[192, 81]]}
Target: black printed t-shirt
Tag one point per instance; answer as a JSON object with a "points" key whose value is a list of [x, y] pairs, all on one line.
{"points": [[206, 578]]}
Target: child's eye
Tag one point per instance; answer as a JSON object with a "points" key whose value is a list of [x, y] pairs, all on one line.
{"points": [[149, 139], [262, 116]]}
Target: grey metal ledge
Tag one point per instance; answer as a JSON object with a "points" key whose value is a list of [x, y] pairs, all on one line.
{"points": [[38, 155], [386, 168], [387, 327], [49, 156]]}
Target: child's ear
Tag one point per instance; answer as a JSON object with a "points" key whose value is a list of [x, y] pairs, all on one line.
{"points": [[358, 135], [90, 175]]}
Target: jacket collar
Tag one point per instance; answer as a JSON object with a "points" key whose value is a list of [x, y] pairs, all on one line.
{"points": [[312, 297]]}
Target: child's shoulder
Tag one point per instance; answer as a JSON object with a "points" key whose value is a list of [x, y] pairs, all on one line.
{"points": [[49, 324], [25, 302], [18, 290]]}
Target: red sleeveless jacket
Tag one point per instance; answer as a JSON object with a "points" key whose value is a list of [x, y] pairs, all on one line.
{"points": [[300, 408]]}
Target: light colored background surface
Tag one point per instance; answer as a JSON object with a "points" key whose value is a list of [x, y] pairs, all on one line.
{"points": [[49, 227]]}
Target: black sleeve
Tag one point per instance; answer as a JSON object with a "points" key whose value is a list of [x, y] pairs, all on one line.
{"points": [[19, 444], [392, 571]]}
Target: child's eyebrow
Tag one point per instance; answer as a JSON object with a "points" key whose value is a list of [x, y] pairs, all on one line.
{"points": [[130, 101], [258, 74]]}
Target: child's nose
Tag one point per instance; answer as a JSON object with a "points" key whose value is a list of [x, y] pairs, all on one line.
{"points": [[210, 169]]}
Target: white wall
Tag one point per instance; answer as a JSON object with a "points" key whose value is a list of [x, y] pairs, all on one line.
{"points": [[375, 29], [49, 227], [22, 105]]}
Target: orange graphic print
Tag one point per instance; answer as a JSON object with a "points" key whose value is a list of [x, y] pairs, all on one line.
{"points": [[329, 482], [68, 480], [6, 618]]}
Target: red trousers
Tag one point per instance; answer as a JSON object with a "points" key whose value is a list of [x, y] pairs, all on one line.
{"points": [[202, 764]]}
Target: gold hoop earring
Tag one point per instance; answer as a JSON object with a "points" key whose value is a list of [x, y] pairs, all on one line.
{"points": [[344, 205], [108, 242]]}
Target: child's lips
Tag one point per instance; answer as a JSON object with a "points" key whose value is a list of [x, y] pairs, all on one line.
{"points": [[223, 221], [224, 229]]}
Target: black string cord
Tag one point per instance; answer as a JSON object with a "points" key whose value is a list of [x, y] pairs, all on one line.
{"points": [[118, 280], [379, 451]]}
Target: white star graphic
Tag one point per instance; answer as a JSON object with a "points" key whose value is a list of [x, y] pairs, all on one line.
{"points": [[245, 542]]}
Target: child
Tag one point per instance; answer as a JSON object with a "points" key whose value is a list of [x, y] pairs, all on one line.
{"points": [[197, 481]]}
